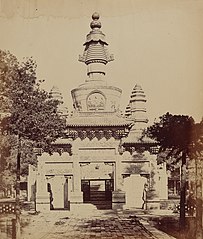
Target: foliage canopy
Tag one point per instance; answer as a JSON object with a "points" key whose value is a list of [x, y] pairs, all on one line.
{"points": [[27, 112], [176, 134]]}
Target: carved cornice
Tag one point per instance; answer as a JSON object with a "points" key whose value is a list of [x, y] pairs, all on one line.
{"points": [[91, 133], [140, 148]]}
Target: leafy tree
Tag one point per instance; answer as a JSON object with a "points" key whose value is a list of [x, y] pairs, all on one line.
{"points": [[177, 135], [197, 156], [8, 152], [7, 155], [27, 112]]}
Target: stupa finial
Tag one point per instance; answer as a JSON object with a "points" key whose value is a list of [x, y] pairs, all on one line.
{"points": [[95, 24], [95, 55], [95, 16]]}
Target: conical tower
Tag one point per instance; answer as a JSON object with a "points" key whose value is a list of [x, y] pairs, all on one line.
{"points": [[138, 106], [136, 112], [56, 94], [128, 112]]}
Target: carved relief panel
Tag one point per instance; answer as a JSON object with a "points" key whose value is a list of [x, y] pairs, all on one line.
{"points": [[96, 101]]}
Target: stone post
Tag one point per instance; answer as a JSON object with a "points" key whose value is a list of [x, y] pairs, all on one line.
{"points": [[31, 183], [76, 195], [42, 195], [163, 182], [153, 199], [118, 195]]}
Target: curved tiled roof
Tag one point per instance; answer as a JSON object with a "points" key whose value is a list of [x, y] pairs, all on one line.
{"points": [[85, 121], [95, 35], [134, 140]]}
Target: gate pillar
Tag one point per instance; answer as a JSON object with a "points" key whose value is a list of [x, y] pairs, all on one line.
{"points": [[118, 196], [76, 195], [42, 195]]}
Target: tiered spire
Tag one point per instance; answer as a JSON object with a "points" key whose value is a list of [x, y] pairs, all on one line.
{"points": [[95, 55], [136, 111], [57, 95], [128, 112], [138, 105]]}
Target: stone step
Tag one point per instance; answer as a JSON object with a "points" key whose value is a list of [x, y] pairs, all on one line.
{"points": [[97, 196], [102, 205], [98, 192], [100, 202]]}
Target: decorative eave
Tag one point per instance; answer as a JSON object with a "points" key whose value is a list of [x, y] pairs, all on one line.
{"points": [[60, 145], [96, 36]]}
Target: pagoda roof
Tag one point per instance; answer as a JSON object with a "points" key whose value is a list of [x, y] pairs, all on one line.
{"points": [[63, 141], [99, 119], [95, 45], [141, 140]]}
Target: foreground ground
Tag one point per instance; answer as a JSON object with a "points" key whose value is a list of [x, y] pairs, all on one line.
{"points": [[87, 223]]}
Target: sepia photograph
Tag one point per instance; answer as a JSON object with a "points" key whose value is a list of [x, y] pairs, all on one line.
{"points": [[101, 119]]}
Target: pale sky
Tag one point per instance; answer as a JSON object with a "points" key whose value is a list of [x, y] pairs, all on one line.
{"points": [[156, 43]]}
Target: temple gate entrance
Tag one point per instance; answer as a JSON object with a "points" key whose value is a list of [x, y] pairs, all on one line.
{"points": [[98, 192]]}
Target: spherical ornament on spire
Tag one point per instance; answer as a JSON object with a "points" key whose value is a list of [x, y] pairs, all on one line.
{"points": [[95, 23], [95, 16]]}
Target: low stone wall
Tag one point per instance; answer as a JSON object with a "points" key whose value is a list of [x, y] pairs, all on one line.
{"points": [[7, 207], [118, 200], [169, 204], [152, 204]]}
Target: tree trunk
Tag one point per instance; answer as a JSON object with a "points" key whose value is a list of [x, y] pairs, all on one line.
{"points": [[182, 221], [18, 211], [198, 221]]}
